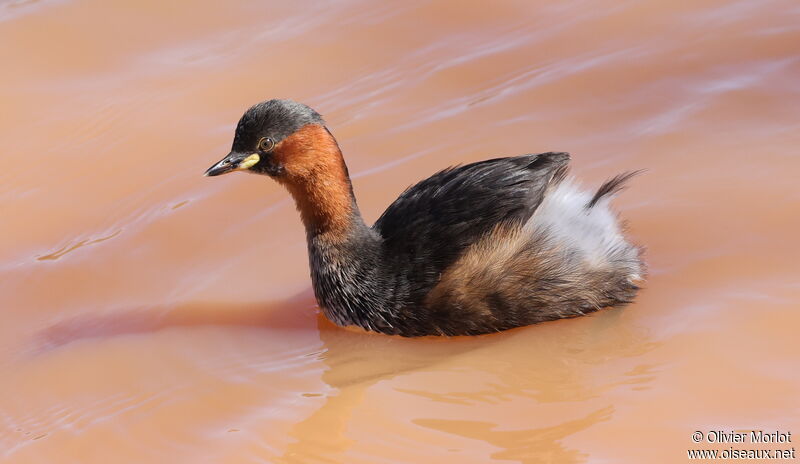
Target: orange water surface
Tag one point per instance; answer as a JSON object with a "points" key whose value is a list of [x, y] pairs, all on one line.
{"points": [[149, 314]]}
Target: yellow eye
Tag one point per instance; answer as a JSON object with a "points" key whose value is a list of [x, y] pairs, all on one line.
{"points": [[266, 144]]}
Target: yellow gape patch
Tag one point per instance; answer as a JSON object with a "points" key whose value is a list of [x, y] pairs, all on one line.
{"points": [[249, 162]]}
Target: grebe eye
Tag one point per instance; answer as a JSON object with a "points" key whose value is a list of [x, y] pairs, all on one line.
{"points": [[266, 144]]}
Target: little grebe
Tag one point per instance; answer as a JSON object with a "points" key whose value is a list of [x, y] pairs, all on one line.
{"points": [[478, 248]]}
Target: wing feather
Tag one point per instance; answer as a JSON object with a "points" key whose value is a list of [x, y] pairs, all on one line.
{"points": [[433, 222]]}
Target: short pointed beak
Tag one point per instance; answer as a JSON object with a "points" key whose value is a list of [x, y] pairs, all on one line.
{"points": [[232, 162]]}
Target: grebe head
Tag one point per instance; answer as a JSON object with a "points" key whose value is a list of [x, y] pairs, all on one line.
{"points": [[289, 142], [260, 137]]}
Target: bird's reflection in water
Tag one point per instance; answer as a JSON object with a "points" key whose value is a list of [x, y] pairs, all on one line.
{"points": [[541, 364], [476, 379], [543, 444]]}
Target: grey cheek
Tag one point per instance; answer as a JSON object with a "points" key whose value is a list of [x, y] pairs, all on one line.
{"points": [[274, 169]]}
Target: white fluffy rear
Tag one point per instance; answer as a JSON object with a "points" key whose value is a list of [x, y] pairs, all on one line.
{"points": [[593, 232]]}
